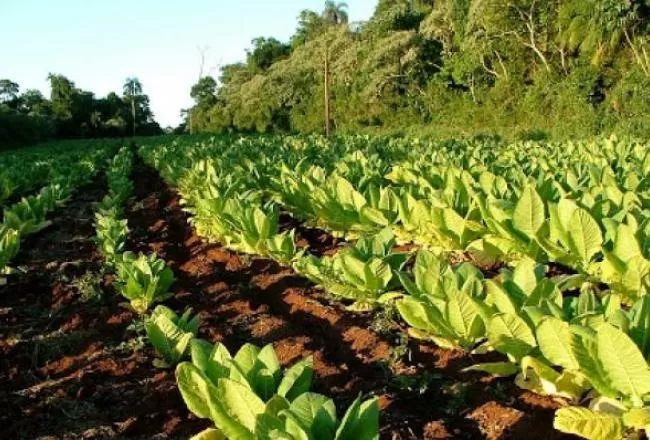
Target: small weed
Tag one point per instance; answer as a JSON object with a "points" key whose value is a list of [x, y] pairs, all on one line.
{"points": [[137, 325], [130, 346], [420, 383], [89, 286], [400, 349], [383, 321]]}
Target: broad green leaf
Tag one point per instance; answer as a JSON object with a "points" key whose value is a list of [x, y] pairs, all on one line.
{"points": [[554, 339], [588, 424], [237, 410], [585, 235], [622, 362], [509, 334], [297, 379], [424, 317], [246, 358], [626, 245], [526, 275], [529, 216], [540, 378], [209, 434], [306, 408], [640, 325], [637, 418], [504, 302], [460, 312], [195, 388], [360, 422], [498, 369], [585, 351], [269, 359]]}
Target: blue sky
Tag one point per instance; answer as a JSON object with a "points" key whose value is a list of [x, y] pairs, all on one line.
{"points": [[98, 43]]}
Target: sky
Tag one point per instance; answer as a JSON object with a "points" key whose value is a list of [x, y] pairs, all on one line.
{"points": [[98, 44]]}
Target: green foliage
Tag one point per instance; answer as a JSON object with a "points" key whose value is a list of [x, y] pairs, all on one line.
{"points": [[111, 236], [526, 70], [363, 273], [143, 280], [565, 224], [112, 232], [257, 369], [618, 371], [239, 413], [171, 334], [441, 303], [70, 112], [9, 245]]}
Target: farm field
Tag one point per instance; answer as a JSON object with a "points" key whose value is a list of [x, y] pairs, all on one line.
{"points": [[229, 287]]}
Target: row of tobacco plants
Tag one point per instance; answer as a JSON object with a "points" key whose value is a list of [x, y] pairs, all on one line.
{"points": [[248, 395], [64, 167], [567, 225]]}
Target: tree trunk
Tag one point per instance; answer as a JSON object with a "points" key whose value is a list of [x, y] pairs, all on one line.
{"points": [[637, 56], [327, 92]]}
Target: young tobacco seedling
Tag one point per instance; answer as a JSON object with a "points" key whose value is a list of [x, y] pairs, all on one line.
{"points": [[143, 280], [170, 334], [258, 369]]}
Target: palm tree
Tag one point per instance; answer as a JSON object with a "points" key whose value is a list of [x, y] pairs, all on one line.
{"points": [[132, 90], [335, 13]]}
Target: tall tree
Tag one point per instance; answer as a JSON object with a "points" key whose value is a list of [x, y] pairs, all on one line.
{"points": [[203, 92], [132, 91], [33, 103], [8, 90], [335, 13], [309, 25], [265, 52]]}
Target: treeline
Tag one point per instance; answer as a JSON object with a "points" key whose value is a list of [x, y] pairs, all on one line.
{"points": [[70, 112], [520, 68]]}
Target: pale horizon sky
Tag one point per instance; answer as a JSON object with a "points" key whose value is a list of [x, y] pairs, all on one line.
{"points": [[98, 44]]}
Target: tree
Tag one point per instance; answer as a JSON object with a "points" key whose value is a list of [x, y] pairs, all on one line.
{"points": [[204, 91], [335, 13], [33, 103], [309, 25], [265, 52], [474, 65], [8, 91], [132, 90], [62, 93]]}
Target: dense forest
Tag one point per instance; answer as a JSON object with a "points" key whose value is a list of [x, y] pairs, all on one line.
{"points": [[520, 68], [70, 112]]}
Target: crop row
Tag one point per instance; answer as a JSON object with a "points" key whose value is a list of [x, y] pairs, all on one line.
{"points": [[246, 395], [68, 170], [582, 334]]}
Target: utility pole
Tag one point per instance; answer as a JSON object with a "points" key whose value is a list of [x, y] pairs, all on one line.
{"points": [[327, 91], [133, 106]]}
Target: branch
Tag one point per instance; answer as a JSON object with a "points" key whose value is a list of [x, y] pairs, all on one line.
{"points": [[487, 69]]}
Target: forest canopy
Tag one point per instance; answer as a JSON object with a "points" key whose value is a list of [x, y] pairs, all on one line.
{"points": [[526, 68], [71, 112]]}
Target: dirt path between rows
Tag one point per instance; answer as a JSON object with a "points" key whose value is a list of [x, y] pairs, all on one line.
{"points": [[75, 367]]}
